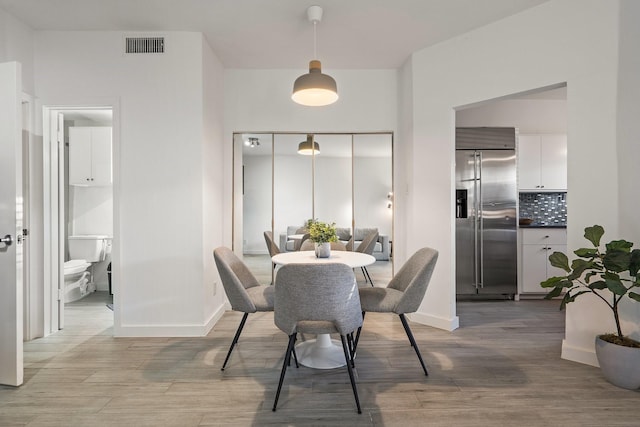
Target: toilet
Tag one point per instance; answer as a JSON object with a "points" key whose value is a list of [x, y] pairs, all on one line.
{"points": [[83, 250]]}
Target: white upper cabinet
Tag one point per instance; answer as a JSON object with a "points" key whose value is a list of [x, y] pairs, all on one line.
{"points": [[90, 156], [542, 162]]}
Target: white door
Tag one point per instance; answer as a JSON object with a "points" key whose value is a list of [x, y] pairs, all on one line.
{"points": [[11, 362]]}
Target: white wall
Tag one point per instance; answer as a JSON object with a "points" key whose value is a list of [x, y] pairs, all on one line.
{"points": [[257, 203], [167, 174], [211, 166], [527, 115], [628, 111], [560, 41], [16, 44]]}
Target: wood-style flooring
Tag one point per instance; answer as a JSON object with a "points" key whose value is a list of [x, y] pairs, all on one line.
{"points": [[502, 367]]}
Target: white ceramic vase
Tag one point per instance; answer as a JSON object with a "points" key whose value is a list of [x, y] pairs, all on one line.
{"points": [[323, 250], [620, 365]]}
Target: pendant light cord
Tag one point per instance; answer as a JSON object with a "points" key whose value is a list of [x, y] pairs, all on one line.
{"points": [[315, 40]]}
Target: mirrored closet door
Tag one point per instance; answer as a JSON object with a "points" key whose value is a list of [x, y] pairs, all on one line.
{"points": [[281, 180]]}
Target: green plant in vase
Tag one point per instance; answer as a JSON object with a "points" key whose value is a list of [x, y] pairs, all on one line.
{"points": [[611, 276], [322, 232]]}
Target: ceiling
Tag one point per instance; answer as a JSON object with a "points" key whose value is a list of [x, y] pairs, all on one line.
{"points": [[354, 34]]}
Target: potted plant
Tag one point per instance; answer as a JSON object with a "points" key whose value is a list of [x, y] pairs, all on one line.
{"points": [[322, 234], [610, 276]]}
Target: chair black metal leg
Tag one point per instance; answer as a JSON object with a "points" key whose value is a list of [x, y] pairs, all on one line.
{"points": [[295, 357], [287, 358], [367, 276], [407, 329], [293, 351], [235, 340], [350, 370], [352, 350], [355, 343]]}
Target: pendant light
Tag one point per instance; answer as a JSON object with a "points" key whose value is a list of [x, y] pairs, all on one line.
{"points": [[309, 147], [252, 142], [315, 89]]}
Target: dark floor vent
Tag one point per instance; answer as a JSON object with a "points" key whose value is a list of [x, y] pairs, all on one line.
{"points": [[145, 44]]}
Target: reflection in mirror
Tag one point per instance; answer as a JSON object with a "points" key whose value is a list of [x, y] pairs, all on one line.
{"points": [[253, 194], [349, 181], [332, 180], [292, 186], [373, 198]]}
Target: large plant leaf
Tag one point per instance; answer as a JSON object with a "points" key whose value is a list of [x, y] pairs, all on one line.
{"points": [[600, 284], [615, 286], [619, 245], [553, 293], [634, 263], [556, 282], [588, 276], [634, 296], [565, 301], [551, 282], [617, 260], [593, 234], [579, 266], [586, 252], [560, 260]]}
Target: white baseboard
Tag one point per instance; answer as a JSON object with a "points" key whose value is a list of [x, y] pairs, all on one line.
{"points": [[436, 322], [580, 355], [157, 331]]}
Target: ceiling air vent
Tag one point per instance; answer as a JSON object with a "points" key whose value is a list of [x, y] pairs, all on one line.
{"points": [[144, 44]]}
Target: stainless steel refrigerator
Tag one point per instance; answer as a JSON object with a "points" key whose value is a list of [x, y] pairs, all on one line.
{"points": [[486, 194]]}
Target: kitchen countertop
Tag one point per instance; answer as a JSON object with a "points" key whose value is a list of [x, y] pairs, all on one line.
{"points": [[538, 225]]}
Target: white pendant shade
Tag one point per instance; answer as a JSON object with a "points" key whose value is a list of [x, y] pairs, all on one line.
{"points": [[315, 89]]}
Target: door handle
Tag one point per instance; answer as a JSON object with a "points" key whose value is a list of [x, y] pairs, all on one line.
{"points": [[7, 240]]}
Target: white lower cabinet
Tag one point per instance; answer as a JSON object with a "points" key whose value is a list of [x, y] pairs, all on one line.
{"points": [[536, 246]]}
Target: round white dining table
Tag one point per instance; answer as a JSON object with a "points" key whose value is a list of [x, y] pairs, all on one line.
{"points": [[352, 259], [322, 352]]}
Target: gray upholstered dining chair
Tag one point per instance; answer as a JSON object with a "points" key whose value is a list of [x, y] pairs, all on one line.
{"points": [[271, 246], [403, 294], [244, 292], [317, 299], [297, 245], [366, 247], [308, 245]]}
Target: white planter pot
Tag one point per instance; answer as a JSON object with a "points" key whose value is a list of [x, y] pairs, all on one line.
{"points": [[620, 365], [323, 250]]}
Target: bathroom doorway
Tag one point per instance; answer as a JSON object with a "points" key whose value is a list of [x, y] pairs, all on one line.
{"points": [[81, 214]]}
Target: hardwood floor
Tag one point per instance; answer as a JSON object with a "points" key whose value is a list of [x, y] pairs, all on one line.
{"points": [[501, 367]]}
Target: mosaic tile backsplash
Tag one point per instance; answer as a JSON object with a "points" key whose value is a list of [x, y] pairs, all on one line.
{"points": [[544, 208]]}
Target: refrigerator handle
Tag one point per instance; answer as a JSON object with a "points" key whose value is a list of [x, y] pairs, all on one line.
{"points": [[476, 186], [480, 282]]}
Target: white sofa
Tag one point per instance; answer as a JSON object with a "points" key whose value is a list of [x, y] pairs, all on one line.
{"points": [[381, 252]]}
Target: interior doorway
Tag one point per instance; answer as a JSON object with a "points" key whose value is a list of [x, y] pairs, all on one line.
{"points": [[78, 142], [539, 117]]}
